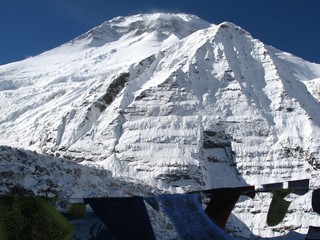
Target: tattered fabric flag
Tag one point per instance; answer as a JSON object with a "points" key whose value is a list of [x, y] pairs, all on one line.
{"points": [[127, 217], [278, 207], [223, 201], [188, 217], [299, 187], [313, 233], [31, 218], [316, 200]]}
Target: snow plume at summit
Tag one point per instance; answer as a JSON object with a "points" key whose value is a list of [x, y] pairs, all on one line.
{"points": [[174, 102]]}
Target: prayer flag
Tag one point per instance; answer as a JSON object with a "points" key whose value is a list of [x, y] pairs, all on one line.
{"points": [[299, 187], [313, 233], [270, 187], [77, 209], [223, 201], [126, 217], [278, 207], [188, 217], [315, 201], [31, 218]]}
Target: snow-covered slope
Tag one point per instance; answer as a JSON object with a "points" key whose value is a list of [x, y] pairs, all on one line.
{"points": [[29, 173], [173, 101]]}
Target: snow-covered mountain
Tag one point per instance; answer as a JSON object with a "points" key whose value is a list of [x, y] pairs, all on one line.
{"points": [[176, 102]]}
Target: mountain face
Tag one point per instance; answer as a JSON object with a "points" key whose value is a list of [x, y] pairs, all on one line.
{"points": [[176, 102]]}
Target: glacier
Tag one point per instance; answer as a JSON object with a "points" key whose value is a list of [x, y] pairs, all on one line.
{"points": [[176, 103]]}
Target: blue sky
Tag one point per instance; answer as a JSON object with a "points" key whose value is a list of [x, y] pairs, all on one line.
{"points": [[29, 27]]}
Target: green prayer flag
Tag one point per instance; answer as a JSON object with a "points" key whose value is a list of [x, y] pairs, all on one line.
{"points": [[278, 207], [32, 218]]}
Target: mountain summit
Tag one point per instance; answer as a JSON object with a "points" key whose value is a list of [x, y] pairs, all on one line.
{"points": [[171, 100], [162, 24]]}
